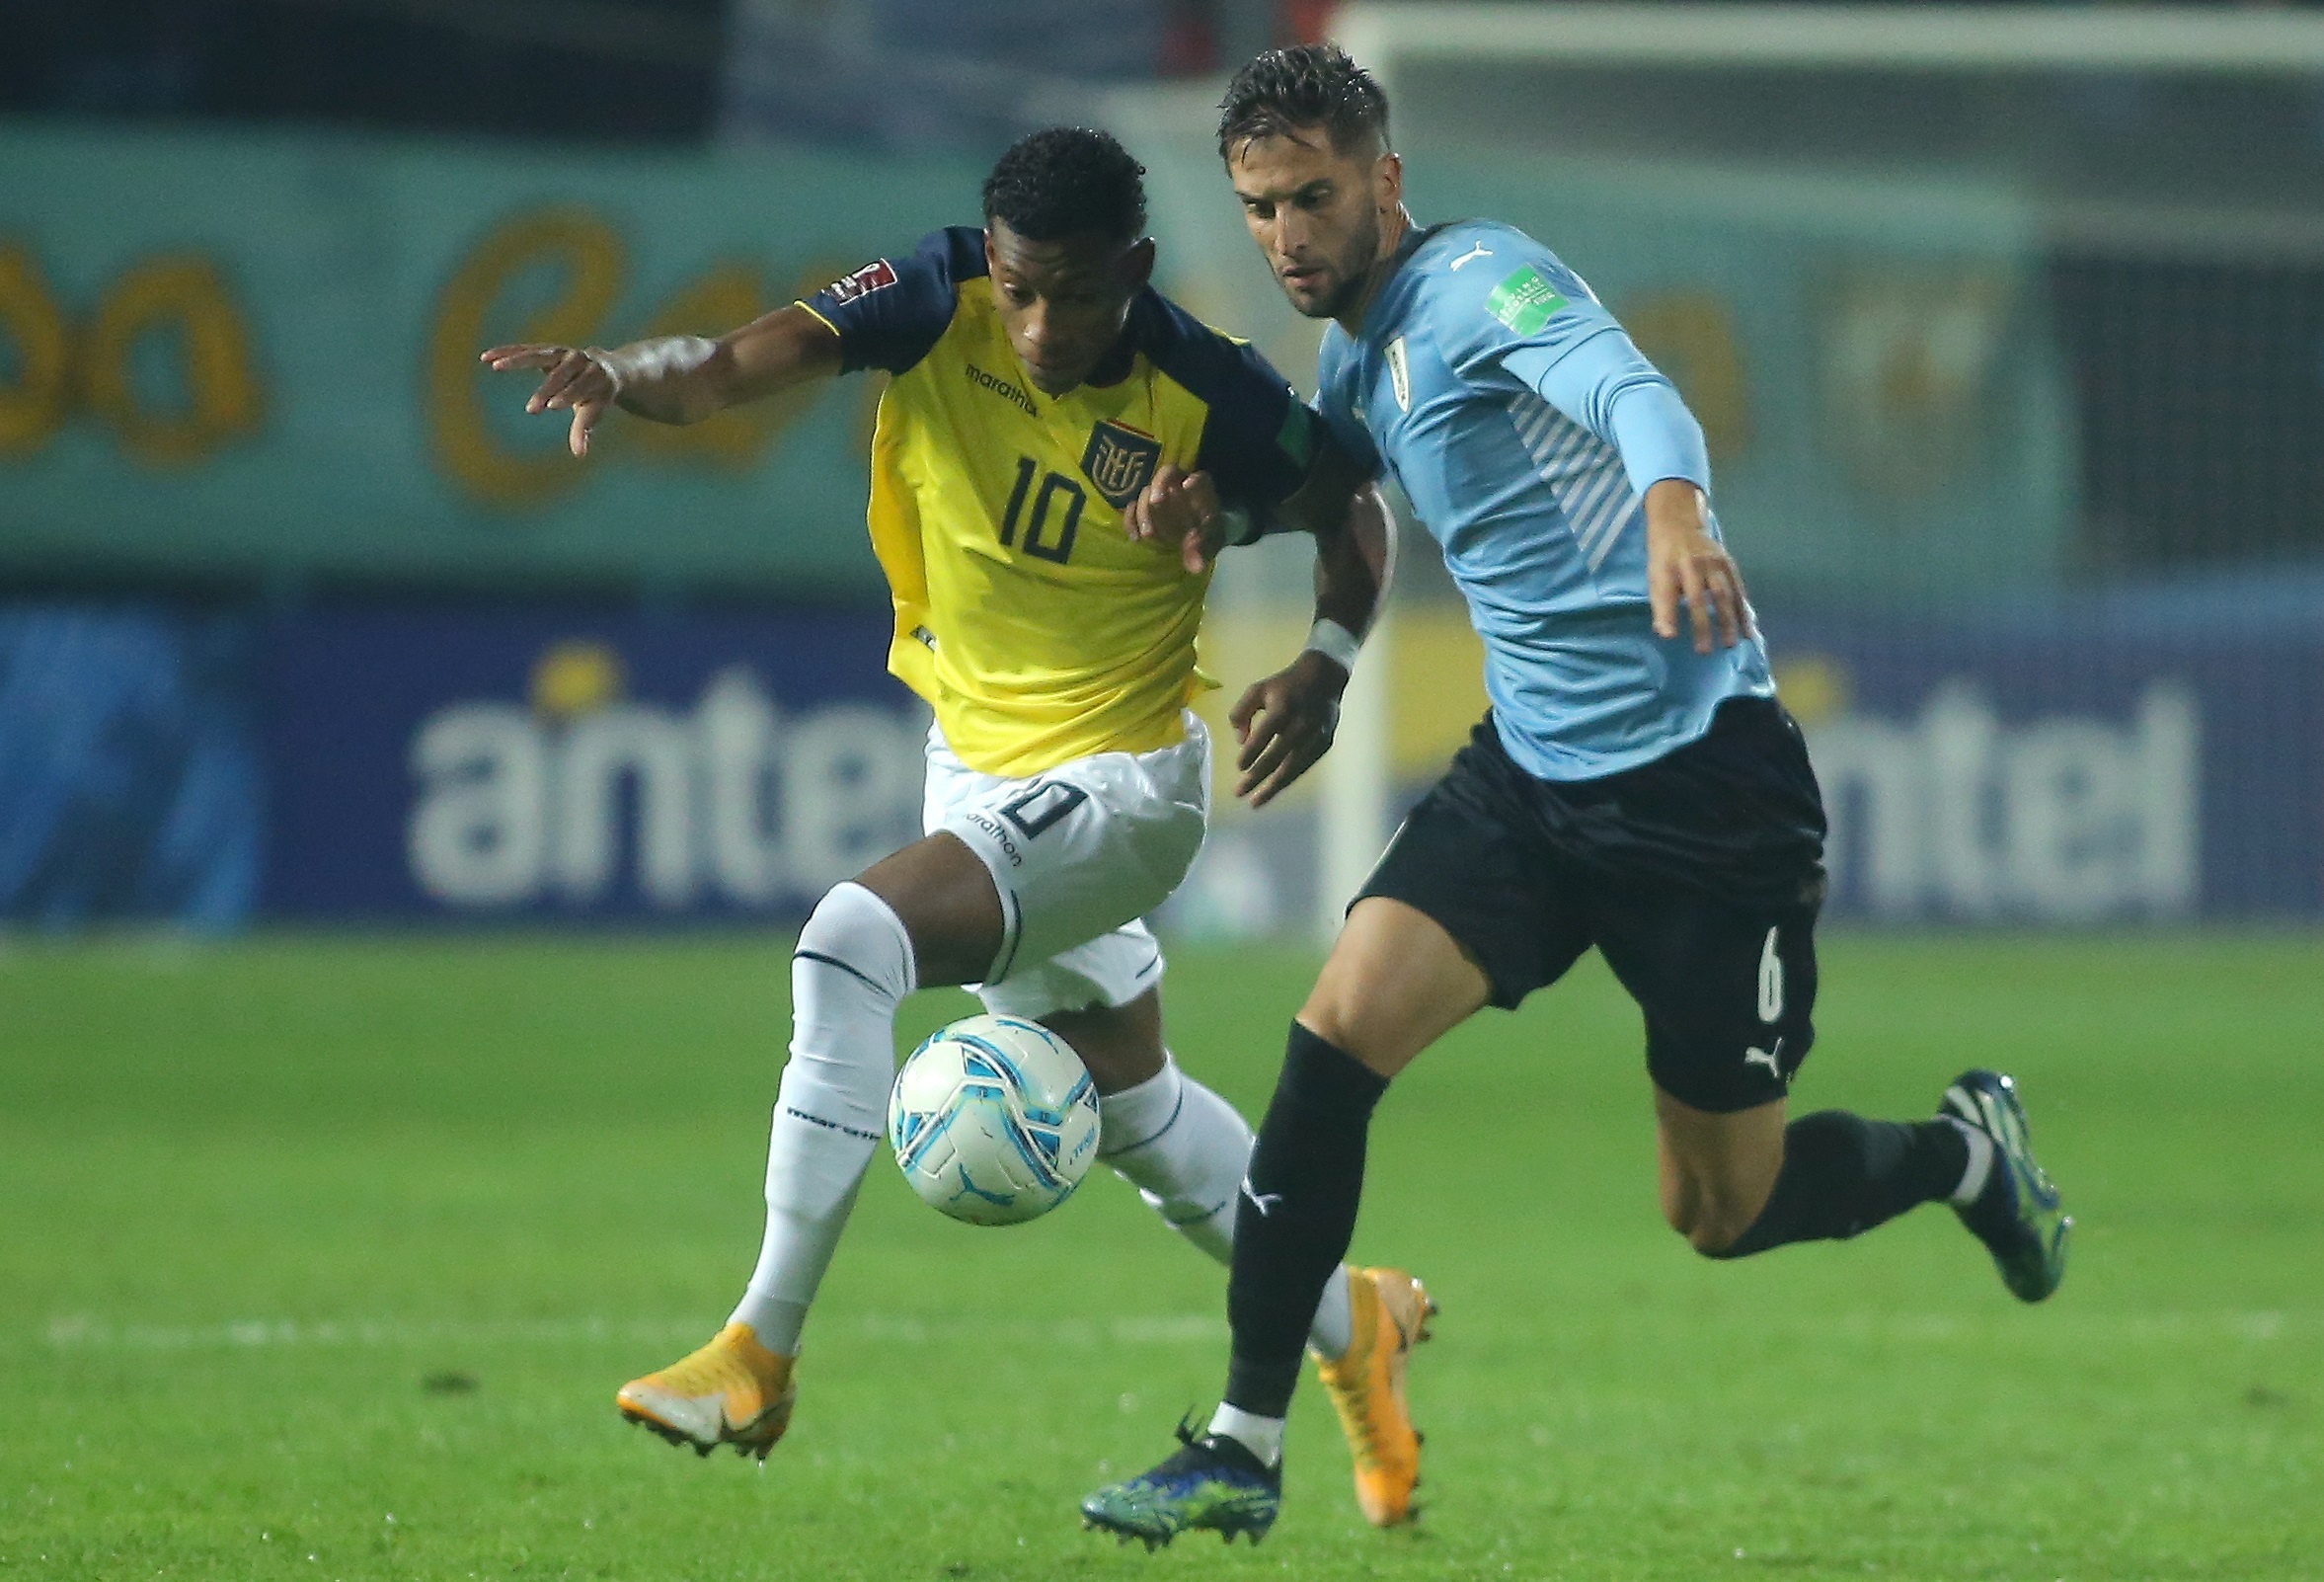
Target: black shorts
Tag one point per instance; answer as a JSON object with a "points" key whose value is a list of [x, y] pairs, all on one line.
{"points": [[1698, 875]]}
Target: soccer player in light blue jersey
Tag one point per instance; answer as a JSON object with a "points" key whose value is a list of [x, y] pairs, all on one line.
{"points": [[1636, 787]]}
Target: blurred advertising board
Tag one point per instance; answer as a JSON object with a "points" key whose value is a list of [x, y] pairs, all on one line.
{"points": [[2148, 759], [2143, 757], [2077, 774], [256, 355], [551, 764]]}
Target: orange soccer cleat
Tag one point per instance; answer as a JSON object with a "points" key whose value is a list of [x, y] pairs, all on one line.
{"points": [[732, 1391], [1392, 1310]]}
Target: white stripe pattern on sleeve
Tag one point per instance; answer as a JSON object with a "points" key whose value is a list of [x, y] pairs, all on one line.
{"points": [[1584, 475]]}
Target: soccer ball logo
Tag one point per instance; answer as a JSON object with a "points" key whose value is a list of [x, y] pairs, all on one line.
{"points": [[993, 1120]]}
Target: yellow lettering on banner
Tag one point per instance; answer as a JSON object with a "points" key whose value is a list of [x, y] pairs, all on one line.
{"points": [[32, 406], [586, 248], [1690, 335], [188, 295]]}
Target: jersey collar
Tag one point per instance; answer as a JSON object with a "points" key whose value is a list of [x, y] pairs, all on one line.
{"points": [[1415, 238]]}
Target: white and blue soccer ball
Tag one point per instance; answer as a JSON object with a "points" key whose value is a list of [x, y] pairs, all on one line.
{"points": [[995, 1119]]}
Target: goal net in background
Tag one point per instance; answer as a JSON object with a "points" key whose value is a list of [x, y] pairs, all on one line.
{"points": [[2006, 328]]}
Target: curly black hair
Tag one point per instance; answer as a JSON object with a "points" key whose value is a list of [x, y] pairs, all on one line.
{"points": [[1307, 85], [1067, 181]]}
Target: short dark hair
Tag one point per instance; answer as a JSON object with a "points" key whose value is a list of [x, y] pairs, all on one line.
{"points": [[1067, 181], [1305, 85]]}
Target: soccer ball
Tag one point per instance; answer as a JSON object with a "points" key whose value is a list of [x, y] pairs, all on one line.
{"points": [[993, 1120]]}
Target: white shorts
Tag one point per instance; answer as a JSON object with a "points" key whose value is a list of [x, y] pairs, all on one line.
{"points": [[1080, 854]]}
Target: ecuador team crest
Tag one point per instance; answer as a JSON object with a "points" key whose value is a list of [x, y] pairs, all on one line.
{"points": [[1120, 460]]}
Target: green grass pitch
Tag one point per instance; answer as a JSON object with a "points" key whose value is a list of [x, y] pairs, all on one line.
{"points": [[323, 1259]]}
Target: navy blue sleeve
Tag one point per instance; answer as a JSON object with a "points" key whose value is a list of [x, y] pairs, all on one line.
{"points": [[889, 313], [1259, 443], [1259, 438]]}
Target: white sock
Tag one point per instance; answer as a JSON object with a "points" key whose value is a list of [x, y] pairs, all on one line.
{"points": [[853, 964], [1185, 1148], [1263, 1437], [1981, 1161]]}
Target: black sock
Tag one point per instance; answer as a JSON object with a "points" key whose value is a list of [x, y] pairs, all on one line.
{"points": [[1843, 1174], [1296, 1215]]}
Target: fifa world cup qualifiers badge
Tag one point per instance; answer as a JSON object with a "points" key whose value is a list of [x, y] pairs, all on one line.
{"points": [[863, 282], [1524, 302]]}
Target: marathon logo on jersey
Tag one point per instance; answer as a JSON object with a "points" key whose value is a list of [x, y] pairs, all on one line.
{"points": [[1003, 388], [1120, 460], [1398, 375], [863, 282]]}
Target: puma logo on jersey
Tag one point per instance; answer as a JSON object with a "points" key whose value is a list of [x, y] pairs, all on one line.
{"points": [[1264, 1202], [1766, 1056], [1474, 253]]}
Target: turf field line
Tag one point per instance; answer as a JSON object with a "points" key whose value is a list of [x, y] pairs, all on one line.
{"points": [[2011, 1324], [85, 1332], [2116, 1326]]}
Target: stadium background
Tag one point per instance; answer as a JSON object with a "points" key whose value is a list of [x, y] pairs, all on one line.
{"points": [[334, 697], [2013, 383]]}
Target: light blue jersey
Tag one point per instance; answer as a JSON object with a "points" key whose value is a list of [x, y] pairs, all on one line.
{"points": [[1525, 428]]}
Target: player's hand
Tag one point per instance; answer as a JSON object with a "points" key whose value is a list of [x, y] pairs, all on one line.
{"points": [[1685, 564], [1182, 508], [1285, 724], [581, 380]]}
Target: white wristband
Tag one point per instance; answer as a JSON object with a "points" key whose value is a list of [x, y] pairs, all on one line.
{"points": [[1334, 643]]}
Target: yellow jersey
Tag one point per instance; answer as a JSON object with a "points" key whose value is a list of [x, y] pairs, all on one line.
{"points": [[1023, 614]]}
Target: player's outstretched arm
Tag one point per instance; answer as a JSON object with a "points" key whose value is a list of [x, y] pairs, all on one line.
{"points": [[1685, 564], [678, 378], [1285, 724]]}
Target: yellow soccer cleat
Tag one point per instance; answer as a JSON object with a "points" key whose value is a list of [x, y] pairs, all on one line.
{"points": [[732, 1392], [1392, 1310]]}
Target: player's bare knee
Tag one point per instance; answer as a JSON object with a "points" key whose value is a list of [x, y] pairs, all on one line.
{"points": [[1712, 1214], [1331, 1018], [1121, 1045], [1362, 1032], [1336, 1011], [1715, 1230], [1719, 1218], [948, 903]]}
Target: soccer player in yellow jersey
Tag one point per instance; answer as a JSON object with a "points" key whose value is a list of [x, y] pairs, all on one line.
{"points": [[1060, 452]]}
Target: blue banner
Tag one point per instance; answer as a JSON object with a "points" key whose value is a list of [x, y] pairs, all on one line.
{"points": [[129, 771], [2137, 758], [2092, 765], [553, 764]]}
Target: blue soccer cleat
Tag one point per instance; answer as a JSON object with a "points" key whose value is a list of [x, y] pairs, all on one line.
{"points": [[2019, 1215], [1212, 1483]]}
